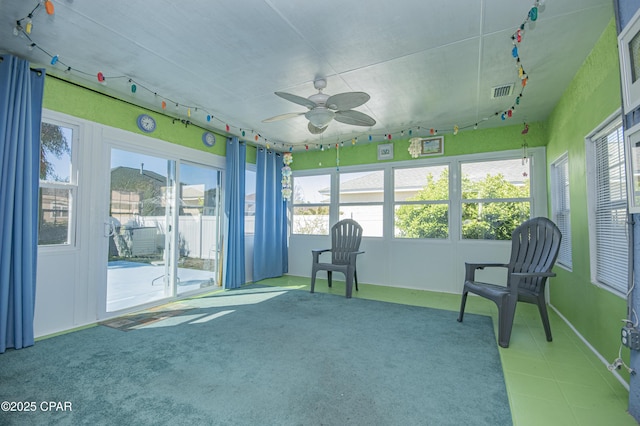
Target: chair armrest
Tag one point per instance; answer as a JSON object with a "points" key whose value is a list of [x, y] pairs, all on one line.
{"points": [[533, 274], [353, 255], [316, 254], [470, 269]]}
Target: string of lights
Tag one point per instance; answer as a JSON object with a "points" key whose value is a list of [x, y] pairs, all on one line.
{"points": [[24, 27]]}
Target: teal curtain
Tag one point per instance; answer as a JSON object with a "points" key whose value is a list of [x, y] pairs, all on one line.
{"points": [[21, 92], [270, 250], [234, 212]]}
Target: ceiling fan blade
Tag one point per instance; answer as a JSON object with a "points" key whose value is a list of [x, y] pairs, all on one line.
{"points": [[356, 118], [282, 117], [316, 130], [297, 99], [348, 100]]}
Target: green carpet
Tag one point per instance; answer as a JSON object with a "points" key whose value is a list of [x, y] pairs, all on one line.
{"points": [[266, 356]]}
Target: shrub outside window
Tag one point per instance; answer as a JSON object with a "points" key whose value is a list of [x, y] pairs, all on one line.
{"points": [[495, 198], [421, 202]]}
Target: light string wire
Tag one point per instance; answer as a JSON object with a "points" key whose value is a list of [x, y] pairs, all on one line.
{"points": [[516, 38]]}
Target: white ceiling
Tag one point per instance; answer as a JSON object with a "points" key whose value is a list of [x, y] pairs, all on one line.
{"points": [[425, 63]]}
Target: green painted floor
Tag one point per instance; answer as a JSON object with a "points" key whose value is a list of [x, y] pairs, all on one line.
{"points": [[549, 383]]}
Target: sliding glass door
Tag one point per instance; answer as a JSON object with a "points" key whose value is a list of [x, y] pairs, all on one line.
{"points": [[198, 228], [163, 233], [139, 230]]}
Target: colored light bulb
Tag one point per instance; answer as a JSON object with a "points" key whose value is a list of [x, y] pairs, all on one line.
{"points": [[48, 6], [54, 60]]}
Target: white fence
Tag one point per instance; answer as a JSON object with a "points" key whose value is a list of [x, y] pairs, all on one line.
{"points": [[196, 234]]}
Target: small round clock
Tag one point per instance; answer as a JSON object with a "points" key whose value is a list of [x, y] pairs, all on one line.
{"points": [[146, 123], [209, 139]]}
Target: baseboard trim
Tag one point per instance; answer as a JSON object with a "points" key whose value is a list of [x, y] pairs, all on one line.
{"points": [[594, 350]]}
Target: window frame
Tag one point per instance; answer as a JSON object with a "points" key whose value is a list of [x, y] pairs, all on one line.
{"points": [[609, 126], [561, 207], [398, 203], [537, 191], [332, 200], [381, 204], [462, 201], [71, 187]]}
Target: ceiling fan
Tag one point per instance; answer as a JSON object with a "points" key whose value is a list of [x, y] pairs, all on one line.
{"points": [[324, 108]]}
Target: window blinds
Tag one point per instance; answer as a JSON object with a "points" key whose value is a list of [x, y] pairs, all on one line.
{"points": [[561, 208], [611, 211]]}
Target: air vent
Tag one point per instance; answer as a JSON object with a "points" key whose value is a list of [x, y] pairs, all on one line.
{"points": [[501, 91]]}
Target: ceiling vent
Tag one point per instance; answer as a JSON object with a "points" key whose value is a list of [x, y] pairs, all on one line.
{"points": [[501, 91]]}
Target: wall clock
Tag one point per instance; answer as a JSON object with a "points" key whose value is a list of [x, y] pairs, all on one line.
{"points": [[146, 123], [209, 139]]}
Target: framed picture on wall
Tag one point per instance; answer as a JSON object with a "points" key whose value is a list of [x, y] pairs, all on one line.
{"points": [[385, 151], [432, 146], [629, 53]]}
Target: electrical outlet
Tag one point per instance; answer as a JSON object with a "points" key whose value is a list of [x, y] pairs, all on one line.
{"points": [[630, 337]]}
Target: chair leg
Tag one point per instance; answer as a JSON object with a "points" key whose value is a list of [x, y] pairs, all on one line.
{"points": [[329, 273], [313, 279], [355, 277], [542, 307], [462, 305], [349, 284], [506, 314]]}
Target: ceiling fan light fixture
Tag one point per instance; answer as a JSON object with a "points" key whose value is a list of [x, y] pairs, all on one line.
{"points": [[320, 117]]}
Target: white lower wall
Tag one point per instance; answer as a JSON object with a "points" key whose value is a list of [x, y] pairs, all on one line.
{"points": [[417, 264]]}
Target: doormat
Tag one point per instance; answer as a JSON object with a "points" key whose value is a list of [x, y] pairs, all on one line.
{"points": [[132, 322]]}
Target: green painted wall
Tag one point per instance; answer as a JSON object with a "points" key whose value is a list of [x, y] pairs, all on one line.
{"points": [[592, 97], [467, 142], [71, 99]]}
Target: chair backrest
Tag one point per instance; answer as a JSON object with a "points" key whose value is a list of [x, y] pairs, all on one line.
{"points": [[345, 238], [534, 248]]}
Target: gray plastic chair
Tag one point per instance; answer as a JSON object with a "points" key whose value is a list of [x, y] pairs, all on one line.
{"points": [[346, 236], [534, 248]]}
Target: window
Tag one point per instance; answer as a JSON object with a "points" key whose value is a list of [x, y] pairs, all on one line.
{"points": [[311, 204], [362, 199], [560, 207], [470, 197], [421, 202], [495, 198], [608, 209], [250, 202], [58, 185]]}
